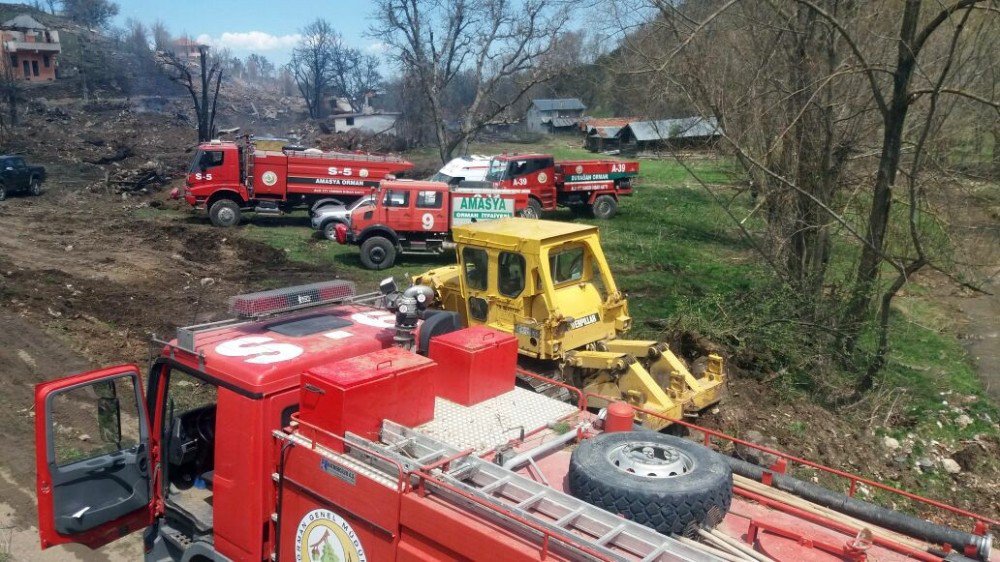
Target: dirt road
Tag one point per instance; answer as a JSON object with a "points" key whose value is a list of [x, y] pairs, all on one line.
{"points": [[85, 279]]}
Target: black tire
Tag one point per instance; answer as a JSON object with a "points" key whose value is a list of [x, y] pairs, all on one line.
{"points": [[533, 210], [3, 192], [35, 187], [377, 253], [605, 207], [699, 496], [330, 230], [224, 213]]}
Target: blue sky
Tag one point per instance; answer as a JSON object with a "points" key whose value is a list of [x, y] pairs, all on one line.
{"points": [[267, 27]]}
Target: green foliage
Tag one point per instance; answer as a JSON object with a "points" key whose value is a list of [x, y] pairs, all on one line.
{"points": [[91, 13]]}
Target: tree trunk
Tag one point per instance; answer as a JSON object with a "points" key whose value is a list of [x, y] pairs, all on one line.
{"points": [[894, 120]]}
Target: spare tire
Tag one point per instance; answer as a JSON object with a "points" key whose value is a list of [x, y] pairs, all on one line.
{"points": [[658, 480]]}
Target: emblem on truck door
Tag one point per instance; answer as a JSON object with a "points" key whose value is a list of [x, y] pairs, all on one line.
{"points": [[323, 535], [269, 178]]}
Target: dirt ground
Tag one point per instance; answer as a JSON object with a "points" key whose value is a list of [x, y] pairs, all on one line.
{"points": [[85, 281]]}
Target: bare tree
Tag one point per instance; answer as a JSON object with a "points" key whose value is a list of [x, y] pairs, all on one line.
{"points": [[53, 5], [825, 106], [312, 65], [161, 35], [10, 96], [498, 43], [197, 79], [354, 74], [137, 37]]}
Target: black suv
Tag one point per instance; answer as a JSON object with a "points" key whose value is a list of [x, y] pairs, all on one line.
{"points": [[16, 176]]}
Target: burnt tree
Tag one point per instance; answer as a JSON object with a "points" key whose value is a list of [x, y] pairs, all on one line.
{"points": [[201, 79]]}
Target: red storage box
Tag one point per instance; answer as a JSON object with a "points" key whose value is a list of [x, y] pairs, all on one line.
{"points": [[474, 364], [356, 394]]}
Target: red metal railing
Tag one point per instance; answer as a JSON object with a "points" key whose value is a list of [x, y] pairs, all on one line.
{"points": [[402, 483], [853, 479]]}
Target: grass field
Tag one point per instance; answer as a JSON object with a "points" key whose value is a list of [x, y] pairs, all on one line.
{"points": [[677, 254]]}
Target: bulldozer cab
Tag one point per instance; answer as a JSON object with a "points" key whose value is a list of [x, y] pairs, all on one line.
{"points": [[547, 282]]}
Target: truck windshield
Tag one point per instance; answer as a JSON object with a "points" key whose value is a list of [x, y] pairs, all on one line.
{"points": [[567, 265], [498, 170], [205, 159]]}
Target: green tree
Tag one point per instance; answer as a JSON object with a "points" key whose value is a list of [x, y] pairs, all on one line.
{"points": [[328, 554], [91, 13]]}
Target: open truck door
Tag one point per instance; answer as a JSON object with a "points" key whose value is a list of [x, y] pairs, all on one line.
{"points": [[94, 458]]}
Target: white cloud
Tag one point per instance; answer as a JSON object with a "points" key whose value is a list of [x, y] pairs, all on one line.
{"points": [[251, 41], [377, 48]]}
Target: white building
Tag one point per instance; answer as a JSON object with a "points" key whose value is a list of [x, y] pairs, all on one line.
{"points": [[375, 122]]}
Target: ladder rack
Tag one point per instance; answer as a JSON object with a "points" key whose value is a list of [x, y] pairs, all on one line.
{"points": [[580, 530]]}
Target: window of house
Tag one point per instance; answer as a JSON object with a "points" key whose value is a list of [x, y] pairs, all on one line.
{"points": [[475, 262], [46, 61], [13, 61], [350, 121], [27, 69], [511, 272], [34, 67], [396, 198], [566, 265], [429, 199]]}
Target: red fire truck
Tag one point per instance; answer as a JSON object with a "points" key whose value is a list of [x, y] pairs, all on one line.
{"points": [[228, 178], [584, 186], [316, 426], [417, 217]]}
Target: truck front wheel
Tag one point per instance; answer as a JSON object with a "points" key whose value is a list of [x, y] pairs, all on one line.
{"points": [[35, 187], [605, 207], [224, 213], [3, 192], [533, 210], [330, 230], [378, 252]]}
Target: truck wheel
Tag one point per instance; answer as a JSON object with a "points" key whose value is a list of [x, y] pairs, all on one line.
{"points": [[224, 213], [533, 210], [35, 187], [378, 252], [3, 192], [661, 481], [330, 230], [605, 207]]}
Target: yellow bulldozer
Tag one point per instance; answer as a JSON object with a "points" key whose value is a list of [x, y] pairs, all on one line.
{"points": [[549, 284]]}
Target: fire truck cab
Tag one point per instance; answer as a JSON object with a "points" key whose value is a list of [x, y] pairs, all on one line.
{"points": [[417, 217]]}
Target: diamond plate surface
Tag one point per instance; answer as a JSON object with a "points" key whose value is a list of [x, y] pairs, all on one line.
{"points": [[493, 422]]}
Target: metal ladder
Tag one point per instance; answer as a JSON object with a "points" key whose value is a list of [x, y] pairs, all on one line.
{"points": [[574, 522]]}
